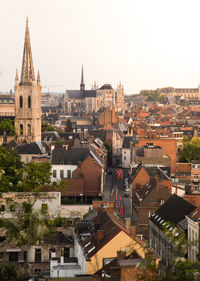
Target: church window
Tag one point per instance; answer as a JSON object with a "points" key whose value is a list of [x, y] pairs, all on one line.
{"points": [[29, 129], [29, 101], [20, 101], [21, 129]]}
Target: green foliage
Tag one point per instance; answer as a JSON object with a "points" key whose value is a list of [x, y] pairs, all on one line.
{"points": [[12, 272], [109, 153], [10, 170], [191, 150], [49, 128], [153, 95], [35, 175], [69, 127], [28, 228], [7, 126]]}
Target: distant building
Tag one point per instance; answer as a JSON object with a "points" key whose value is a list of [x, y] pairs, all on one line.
{"points": [[92, 100], [187, 93]]}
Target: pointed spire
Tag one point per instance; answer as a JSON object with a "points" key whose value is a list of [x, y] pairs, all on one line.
{"points": [[82, 85], [38, 77], [27, 73], [16, 76]]}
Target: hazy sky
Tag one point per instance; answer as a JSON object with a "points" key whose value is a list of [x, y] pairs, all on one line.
{"points": [[142, 43]]}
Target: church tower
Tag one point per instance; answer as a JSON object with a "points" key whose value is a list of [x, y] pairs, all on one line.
{"points": [[82, 85], [27, 98]]}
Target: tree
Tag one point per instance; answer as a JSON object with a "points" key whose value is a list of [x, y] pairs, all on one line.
{"points": [[29, 227], [109, 153], [69, 127], [7, 126], [12, 272], [191, 150], [10, 169], [153, 95], [47, 128], [35, 175]]}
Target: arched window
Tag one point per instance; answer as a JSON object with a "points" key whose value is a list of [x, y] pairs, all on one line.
{"points": [[20, 101], [21, 129], [29, 101], [29, 129]]}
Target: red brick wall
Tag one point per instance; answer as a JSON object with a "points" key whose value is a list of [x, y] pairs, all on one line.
{"points": [[91, 172], [169, 148], [142, 178], [194, 199]]}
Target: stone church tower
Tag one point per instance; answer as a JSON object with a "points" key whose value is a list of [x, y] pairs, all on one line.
{"points": [[27, 98]]}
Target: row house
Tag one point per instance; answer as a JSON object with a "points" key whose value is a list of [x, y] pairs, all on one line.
{"points": [[169, 218], [101, 236], [81, 169]]}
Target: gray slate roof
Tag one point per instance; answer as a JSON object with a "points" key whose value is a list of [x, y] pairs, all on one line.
{"points": [[71, 156]]}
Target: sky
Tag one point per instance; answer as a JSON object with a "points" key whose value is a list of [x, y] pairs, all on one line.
{"points": [[145, 44]]}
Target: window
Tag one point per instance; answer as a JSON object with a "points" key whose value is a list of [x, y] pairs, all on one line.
{"points": [[196, 188], [196, 176], [29, 101], [54, 173], [193, 166], [69, 173], [44, 208], [21, 129], [61, 174], [13, 256], [37, 271], [1, 255], [25, 255], [66, 253], [20, 101], [124, 157], [12, 207], [162, 202], [27, 207], [2, 208], [29, 129], [37, 255]]}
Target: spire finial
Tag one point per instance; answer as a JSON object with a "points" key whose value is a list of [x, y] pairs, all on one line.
{"points": [[82, 85], [27, 74], [16, 76], [38, 77]]}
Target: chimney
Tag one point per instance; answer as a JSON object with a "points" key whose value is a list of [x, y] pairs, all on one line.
{"points": [[100, 234], [128, 224], [120, 255], [133, 230]]}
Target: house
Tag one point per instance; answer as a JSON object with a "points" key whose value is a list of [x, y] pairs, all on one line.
{"points": [[168, 145], [146, 200], [128, 151], [81, 169], [28, 151], [170, 215], [12, 202], [193, 220], [36, 258], [102, 237], [142, 174]]}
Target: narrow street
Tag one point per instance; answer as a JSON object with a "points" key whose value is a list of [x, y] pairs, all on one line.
{"points": [[114, 191]]}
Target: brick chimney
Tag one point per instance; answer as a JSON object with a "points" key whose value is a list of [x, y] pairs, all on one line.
{"points": [[133, 230], [128, 224]]}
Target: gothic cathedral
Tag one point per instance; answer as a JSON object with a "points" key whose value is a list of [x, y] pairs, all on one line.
{"points": [[27, 98]]}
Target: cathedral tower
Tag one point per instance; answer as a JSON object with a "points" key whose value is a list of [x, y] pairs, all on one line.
{"points": [[27, 98]]}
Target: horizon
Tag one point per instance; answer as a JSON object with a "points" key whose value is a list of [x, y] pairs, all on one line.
{"points": [[144, 45]]}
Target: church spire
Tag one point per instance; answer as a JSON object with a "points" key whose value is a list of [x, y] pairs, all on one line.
{"points": [[27, 74], [82, 85]]}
